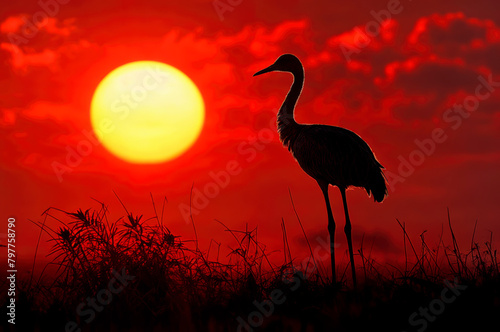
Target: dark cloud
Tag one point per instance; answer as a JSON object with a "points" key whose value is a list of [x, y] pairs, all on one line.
{"points": [[435, 77], [375, 241], [455, 35]]}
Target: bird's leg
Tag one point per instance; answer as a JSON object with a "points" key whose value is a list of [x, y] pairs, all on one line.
{"points": [[331, 226], [347, 230]]}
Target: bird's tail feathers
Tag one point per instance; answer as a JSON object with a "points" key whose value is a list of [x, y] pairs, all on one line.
{"points": [[378, 186]]}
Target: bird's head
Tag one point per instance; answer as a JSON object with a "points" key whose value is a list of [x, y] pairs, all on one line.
{"points": [[286, 62]]}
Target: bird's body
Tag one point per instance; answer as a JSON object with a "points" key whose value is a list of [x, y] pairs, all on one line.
{"points": [[330, 155], [337, 156]]}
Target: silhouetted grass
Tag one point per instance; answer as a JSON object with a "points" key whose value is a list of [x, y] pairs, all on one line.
{"points": [[178, 287]]}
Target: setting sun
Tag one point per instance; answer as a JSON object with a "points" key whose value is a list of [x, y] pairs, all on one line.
{"points": [[147, 112]]}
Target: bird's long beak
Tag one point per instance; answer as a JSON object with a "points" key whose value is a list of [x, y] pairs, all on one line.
{"points": [[265, 70]]}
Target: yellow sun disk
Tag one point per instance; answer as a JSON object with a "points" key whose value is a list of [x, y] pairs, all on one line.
{"points": [[147, 112]]}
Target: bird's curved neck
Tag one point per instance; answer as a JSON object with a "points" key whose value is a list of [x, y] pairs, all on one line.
{"points": [[288, 128], [285, 114]]}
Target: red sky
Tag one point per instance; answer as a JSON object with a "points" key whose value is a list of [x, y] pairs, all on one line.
{"points": [[394, 87]]}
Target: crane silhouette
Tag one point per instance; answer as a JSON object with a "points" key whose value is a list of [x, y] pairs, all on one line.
{"points": [[330, 155]]}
